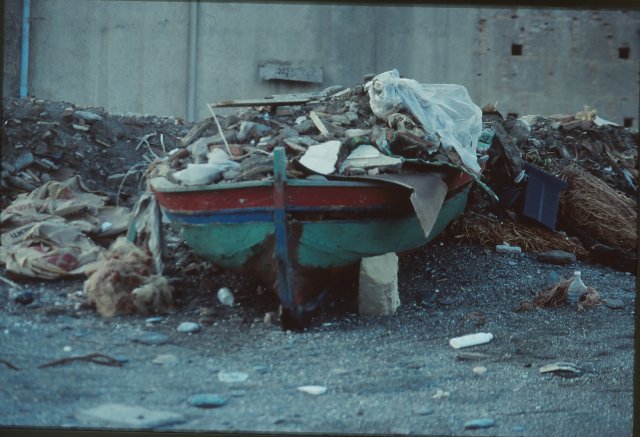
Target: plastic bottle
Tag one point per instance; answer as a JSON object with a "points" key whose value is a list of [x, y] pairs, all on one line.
{"points": [[576, 289]]}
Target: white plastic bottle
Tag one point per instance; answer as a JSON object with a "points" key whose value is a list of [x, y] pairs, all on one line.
{"points": [[576, 289]]}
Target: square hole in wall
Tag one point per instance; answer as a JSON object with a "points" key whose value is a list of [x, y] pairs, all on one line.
{"points": [[516, 49], [623, 52], [628, 122]]}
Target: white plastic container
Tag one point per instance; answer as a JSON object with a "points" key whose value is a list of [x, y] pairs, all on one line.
{"points": [[470, 340], [576, 288]]}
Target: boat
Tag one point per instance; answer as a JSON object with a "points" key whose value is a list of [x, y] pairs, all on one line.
{"points": [[295, 233]]}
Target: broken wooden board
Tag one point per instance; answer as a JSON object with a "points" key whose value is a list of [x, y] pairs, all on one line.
{"points": [[279, 99]]}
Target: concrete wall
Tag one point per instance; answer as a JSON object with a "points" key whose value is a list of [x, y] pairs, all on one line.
{"points": [[134, 56]]}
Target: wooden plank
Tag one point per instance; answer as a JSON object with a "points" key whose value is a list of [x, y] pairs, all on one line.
{"points": [[319, 124], [290, 99]]}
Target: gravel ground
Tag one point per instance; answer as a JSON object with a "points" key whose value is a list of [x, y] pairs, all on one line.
{"points": [[390, 375]]}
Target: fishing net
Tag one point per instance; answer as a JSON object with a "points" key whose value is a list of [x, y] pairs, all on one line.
{"points": [[604, 212], [484, 230]]}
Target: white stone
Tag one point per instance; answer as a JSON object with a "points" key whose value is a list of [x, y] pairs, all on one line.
{"points": [[128, 416], [378, 285]]}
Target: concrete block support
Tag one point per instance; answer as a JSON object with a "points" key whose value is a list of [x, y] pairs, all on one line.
{"points": [[378, 286]]}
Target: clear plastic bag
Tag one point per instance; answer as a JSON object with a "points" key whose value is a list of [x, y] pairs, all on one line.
{"points": [[445, 109]]}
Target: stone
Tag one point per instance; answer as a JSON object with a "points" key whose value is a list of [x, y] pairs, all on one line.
{"points": [[231, 377], [151, 338], [128, 416], [378, 285], [87, 116], [479, 423], [165, 360], [24, 298], [207, 400], [189, 327], [614, 304], [559, 257]]}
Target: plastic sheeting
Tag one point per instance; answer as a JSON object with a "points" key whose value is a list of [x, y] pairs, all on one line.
{"points": [[445, 109]]}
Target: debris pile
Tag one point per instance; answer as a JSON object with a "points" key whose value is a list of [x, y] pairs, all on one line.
{"points": [[369, 129], [46, 141], [595, 159]]}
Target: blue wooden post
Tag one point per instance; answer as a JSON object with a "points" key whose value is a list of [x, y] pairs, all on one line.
{"points": [[283, 265]]}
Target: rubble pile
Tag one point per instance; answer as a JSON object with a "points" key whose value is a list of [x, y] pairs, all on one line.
{"points": [[334, 132], [381, 125], [599, 162], [44, 141]]}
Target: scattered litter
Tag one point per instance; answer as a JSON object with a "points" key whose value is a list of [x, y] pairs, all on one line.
{"points": [[506, 248], [479, 423], [479, 370], [440, 394], [231, 377], [568, 370], [313, 389], [225, 296], [470, 340], [102, 359], [67, 349], [206, 400]]}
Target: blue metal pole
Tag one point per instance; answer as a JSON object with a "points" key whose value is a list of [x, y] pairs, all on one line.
{"points": [[24, 66]]}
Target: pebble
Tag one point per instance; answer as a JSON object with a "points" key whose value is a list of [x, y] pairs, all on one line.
{"points": [[614, 304], [207, 400], [67, 348], [231, 377], [512, 263], [313, 389], [88, 116], [558, 257], [122, 359], [479, 423], [165, 360], [425, 411], [24, 298], [151, 338], [189, 327], [518, 428], [260, 368]]}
